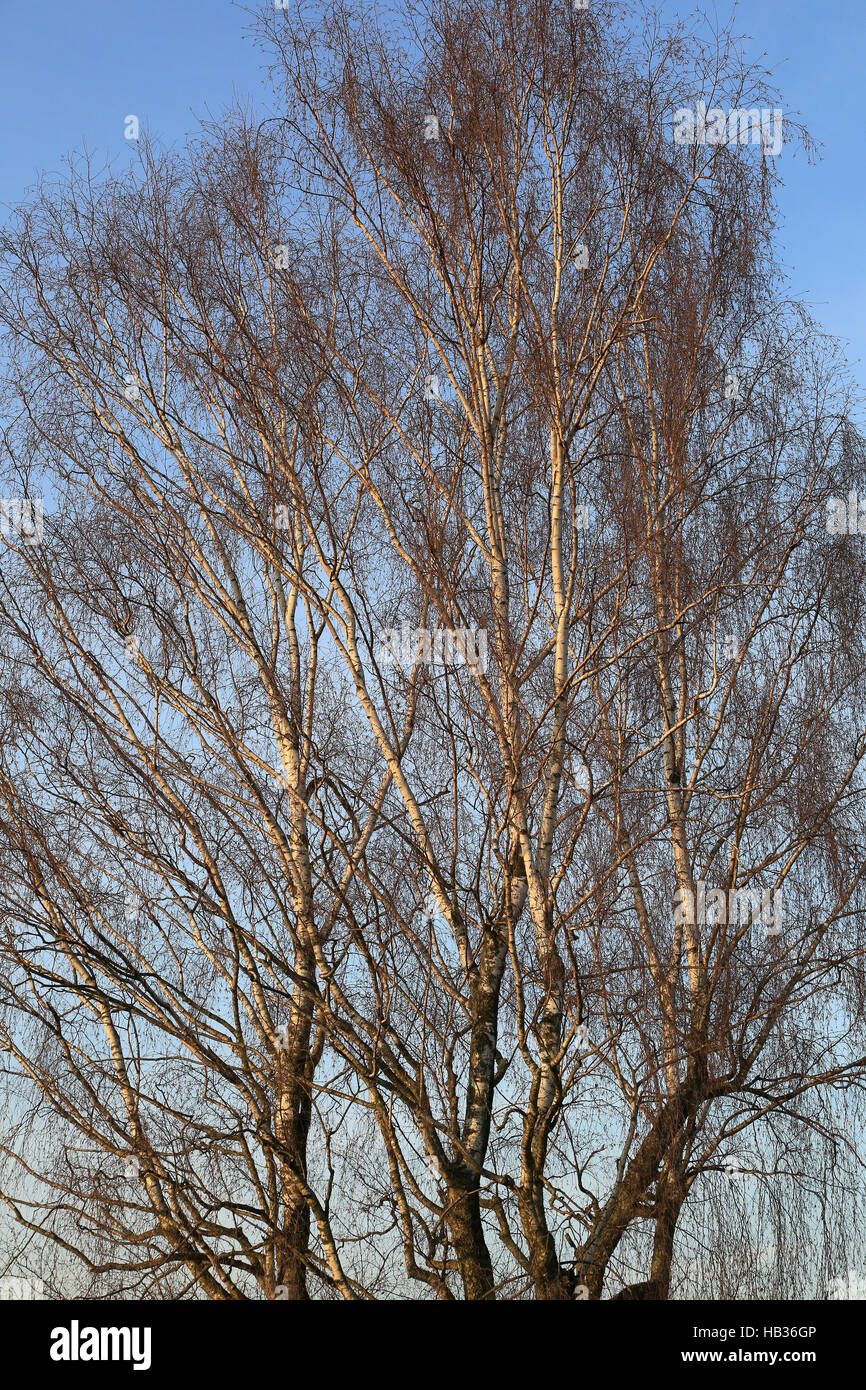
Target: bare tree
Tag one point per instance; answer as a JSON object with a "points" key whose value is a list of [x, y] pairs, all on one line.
{"points": [[437, 628]]}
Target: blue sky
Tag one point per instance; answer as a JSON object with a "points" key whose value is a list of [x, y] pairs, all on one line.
{"points": [[69, 74]]}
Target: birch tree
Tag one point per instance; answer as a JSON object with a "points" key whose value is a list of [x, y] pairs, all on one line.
{"points": [[436, 629]]}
